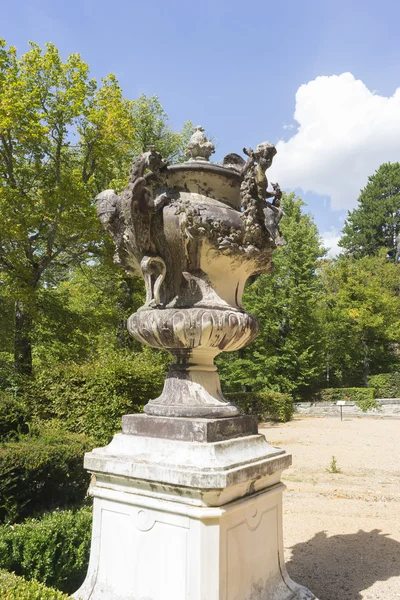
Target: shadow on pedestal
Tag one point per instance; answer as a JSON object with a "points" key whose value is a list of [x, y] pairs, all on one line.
{"points": [[342, 566]]}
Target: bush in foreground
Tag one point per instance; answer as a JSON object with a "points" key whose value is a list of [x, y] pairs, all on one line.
{"points": [[90, 398], [41, 473], [13, 417], [13, 587], [387, 385], [53, 550], [264, 404]]}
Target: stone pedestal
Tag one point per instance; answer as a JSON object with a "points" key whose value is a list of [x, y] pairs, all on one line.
{"points": [[195, 515]]}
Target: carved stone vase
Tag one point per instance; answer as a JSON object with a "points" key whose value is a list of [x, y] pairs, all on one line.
{"points": [[196, 231]]}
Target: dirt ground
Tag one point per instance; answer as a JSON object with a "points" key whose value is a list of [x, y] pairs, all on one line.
{"points": [[342, 530]]}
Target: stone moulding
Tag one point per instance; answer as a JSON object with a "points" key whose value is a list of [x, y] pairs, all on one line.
{"points": [[190, 430], [217, 471]]}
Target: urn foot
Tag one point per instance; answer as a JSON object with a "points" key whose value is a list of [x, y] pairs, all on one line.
{"points": [[192, 388]]}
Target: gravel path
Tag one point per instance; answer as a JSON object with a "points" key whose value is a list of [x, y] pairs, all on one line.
{"points": [[342, 530]]}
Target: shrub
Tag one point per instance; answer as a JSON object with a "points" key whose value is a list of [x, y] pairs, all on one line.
{"points": [[91, 398], [333, 466], [362, 397], [39, 473], [264, 404], [387, 385], [13, 417], [13, 587], [10, 380], [53, 550]]}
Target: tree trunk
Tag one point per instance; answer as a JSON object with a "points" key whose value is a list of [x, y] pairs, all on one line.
{"points": [[22, 340]]}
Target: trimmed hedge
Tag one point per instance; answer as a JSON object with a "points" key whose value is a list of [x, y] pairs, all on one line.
{"points": [[362, 397], [264, 404], [53, 550], [13, 417], [41, 473], [387, 385], [13, 587], [91, 398]]}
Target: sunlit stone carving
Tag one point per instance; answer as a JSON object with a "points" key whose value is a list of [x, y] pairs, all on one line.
{"points": [[195, 231]]}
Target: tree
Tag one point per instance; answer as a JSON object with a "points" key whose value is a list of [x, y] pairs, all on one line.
{"points": [[286, 354], [85, 315], [361, 317], [63, 138], [375, 223]]}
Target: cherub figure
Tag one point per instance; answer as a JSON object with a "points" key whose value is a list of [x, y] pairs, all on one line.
{"points": [[273, 214], [258, 162], [263, 156]]}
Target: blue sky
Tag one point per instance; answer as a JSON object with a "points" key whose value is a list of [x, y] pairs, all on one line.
{"points": [[235, 68]]}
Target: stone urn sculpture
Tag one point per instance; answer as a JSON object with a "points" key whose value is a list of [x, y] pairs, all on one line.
{"points": [[188, 497], [195, 231]]}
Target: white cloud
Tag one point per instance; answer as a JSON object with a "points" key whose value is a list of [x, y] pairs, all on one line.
{"points": [[345, 132], [330, 240]]}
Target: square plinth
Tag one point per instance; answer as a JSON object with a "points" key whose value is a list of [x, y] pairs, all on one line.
{"points": [[190, 430], [149, 548]]}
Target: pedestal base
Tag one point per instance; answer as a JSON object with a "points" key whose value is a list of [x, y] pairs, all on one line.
{"points": [[149, 549], [180, 520]]}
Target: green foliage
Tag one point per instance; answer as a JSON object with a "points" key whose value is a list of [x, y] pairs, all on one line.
{"points": [[264, 404], [375, 223], [89, 309], [53, 550], [63, 139], [362, 397], [53, 126], [360, 317], [13, 417], [43, 472], [13, 587], [151, 128], [286, 355], [387, 385], [333, 468], [90, 398], [10, 380]]}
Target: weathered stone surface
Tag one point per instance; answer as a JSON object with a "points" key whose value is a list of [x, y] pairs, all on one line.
{"points": [[190, 430], [212, 473], [199, 148], [158, 549], [191, 508], [195, 232], [176, 519]]}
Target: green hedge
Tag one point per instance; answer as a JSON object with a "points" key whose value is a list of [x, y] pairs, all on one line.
{"points": [[264, 404], [387, 385], [13, 587], [91, 398], [53, 550], [40, 473], [13, 417], [10, 380], [362, 397]]}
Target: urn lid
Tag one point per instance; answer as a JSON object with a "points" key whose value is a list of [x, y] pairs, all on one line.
{"points": [[198, 175]]}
